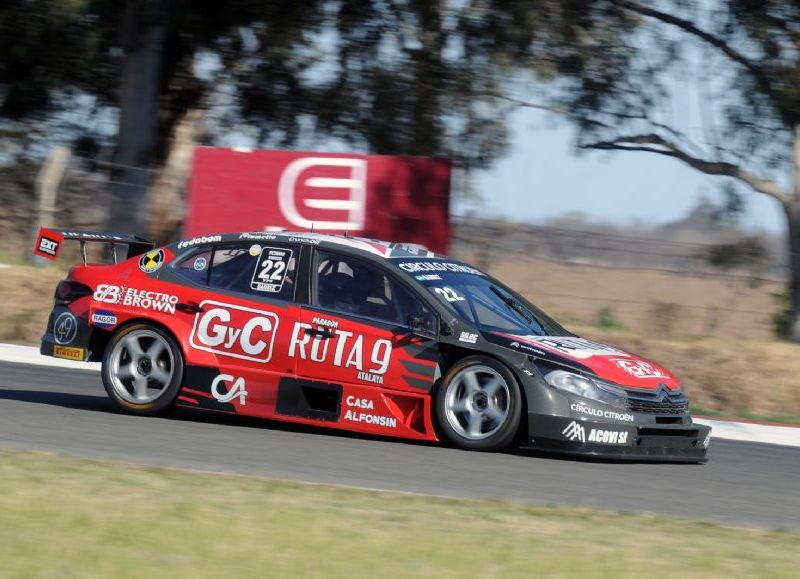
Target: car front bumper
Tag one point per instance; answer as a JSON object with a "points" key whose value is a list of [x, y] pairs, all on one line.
{"points": [[618, 441]]}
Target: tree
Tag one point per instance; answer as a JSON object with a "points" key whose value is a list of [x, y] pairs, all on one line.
{"points": [[744, 61], [419, 77]]}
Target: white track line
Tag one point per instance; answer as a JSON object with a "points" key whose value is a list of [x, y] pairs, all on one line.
{"points": [[31, 355], [723, 429]]}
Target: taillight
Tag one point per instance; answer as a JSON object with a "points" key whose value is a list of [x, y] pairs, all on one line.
{"points": [[69, 291]]}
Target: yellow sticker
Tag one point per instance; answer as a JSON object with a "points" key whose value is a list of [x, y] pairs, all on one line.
{"points": [[69, 353], [255, 250]]}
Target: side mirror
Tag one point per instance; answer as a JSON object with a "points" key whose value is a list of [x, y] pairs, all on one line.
{"points": [[425, 324]]}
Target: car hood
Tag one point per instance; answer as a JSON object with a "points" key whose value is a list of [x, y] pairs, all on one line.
{"points": [[606, 362]]}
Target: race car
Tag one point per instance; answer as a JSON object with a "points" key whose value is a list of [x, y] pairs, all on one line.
{"points": [[356, 334]]}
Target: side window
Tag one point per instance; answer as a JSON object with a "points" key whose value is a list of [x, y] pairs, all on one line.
{"points": [[258, 270], [195, 267], [349, 285]]}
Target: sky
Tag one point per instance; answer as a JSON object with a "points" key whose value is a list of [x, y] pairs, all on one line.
{"points": [[541, 177]]}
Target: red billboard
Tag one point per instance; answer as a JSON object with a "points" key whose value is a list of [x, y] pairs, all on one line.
{"points": [[404, 199]]}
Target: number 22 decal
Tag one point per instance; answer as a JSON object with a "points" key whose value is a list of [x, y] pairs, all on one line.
{"points": [[449, 294], [271, 269]]}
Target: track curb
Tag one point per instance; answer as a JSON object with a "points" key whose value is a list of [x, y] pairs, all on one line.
{"points": [[742, 430]]}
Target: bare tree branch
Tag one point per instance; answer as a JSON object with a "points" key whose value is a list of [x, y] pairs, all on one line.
{"points": [[652, 143], [688, 26]]}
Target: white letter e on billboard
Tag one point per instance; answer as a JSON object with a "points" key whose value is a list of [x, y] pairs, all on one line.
{"points": [[354, 204]]}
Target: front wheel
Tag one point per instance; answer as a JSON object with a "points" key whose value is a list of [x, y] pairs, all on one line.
{"points": [[142, 369], [478, 405]]}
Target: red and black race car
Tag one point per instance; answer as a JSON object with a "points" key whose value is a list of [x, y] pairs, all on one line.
{"points": [[356, 334]]}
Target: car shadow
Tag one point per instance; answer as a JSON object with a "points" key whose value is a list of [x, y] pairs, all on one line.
{"points": [[63, 399], [100, 403]]}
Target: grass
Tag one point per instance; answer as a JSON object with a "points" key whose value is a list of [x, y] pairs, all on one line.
{"points": [[712, 413], [64, 517]]}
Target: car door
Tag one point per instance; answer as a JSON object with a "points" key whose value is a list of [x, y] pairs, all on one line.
{"points": [[355, 333], [243, 320]]}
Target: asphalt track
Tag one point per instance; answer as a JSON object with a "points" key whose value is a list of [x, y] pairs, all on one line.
{"points": [[67, 411]]}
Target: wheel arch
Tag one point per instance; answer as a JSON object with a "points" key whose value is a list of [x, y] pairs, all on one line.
{"points": [[455, 354], [104, 337]]}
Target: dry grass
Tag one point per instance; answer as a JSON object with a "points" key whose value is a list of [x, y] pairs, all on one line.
{"points": [[26, 298], [739, 370]]}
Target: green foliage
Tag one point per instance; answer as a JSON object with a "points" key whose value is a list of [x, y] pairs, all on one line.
{"points": [[408, 77], [783, 313], [607, 319], [746, 253]]}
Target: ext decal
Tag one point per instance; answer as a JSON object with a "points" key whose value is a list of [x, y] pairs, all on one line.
{"points": [[65, 328], [128, 296], [580, 348], [582, 408], [236, 388], [574, 431], [468, 338], [152, 260], [199, 240], [342, 349], [366, 404], [48, 244], [271, 269], [234, 331], [67, 353], [608, 436], [104, 319], [640, 368], [426, 266]]}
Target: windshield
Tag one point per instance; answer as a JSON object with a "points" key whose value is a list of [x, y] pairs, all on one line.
{"points": [[481, 299]]}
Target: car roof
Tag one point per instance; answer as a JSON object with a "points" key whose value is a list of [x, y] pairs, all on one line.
{"points": [[373, 247]]}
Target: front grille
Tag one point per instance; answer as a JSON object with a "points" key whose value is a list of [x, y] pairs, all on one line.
{"points": [[661, 401]]}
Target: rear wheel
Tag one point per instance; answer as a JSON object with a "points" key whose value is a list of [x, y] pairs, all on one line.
{"points": [[478, 404], [142, 369]]}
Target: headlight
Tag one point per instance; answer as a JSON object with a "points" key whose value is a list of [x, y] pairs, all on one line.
{"points": [[587, 387]]}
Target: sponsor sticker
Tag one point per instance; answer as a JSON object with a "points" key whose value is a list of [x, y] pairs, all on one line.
{"points": [[199, 240], [369, 357], [600, 413], [68, 353], [254, 250], [104, 319], [129, 296], [200, 264], [65, 328], [433, 266], [225, 388], [48, 244], [361, 404], [605, 436], [234, 331], [574, 431], [640, 368], [468, 338], [271, 269], [580, 348], [428, 277], [259, 236], [152, 260]]}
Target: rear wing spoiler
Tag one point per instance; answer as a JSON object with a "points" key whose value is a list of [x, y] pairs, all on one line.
{"points": [[49, 242]]}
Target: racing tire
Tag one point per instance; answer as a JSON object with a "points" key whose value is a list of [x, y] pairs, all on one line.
{"points": [[478, 405], [142, 369]]}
